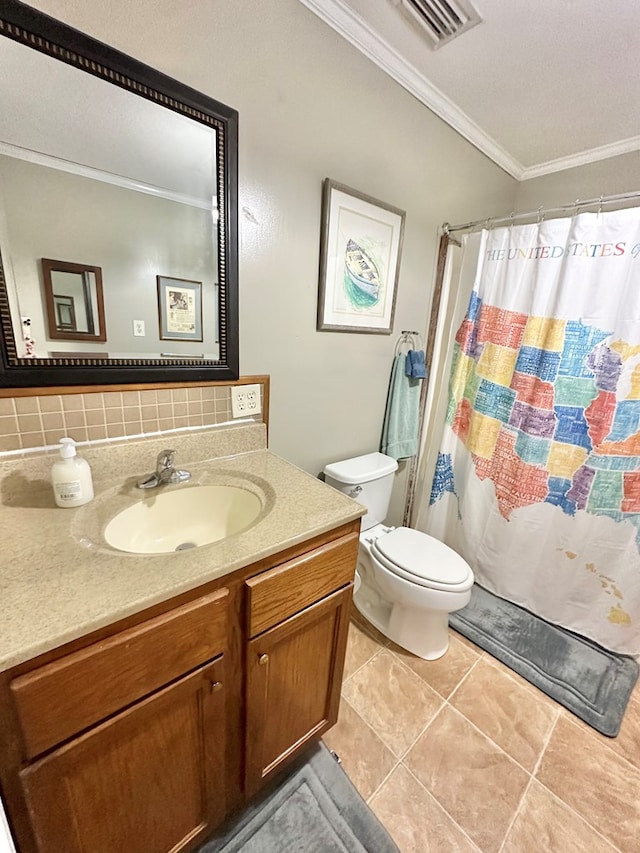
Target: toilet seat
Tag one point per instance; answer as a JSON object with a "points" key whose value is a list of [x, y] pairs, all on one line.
{"points": [[421, 559]]}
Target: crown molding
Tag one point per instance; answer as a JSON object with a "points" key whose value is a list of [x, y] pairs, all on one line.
{"points": [[355, 30], [583, 158], [82, 171]]}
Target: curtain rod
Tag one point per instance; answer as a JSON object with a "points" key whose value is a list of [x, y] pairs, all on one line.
{"points": [[541, 212]]}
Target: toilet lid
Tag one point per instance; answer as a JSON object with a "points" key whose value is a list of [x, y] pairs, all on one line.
{"points": [[421, 555]]}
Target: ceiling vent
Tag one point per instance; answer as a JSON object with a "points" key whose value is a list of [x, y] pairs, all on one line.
{"points": [[441, 20]]}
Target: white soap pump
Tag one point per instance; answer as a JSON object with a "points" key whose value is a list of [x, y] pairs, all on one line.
{"points": [[71, 477]]}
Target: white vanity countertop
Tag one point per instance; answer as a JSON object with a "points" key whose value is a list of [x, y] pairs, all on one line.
{"points": [[58, 578]]}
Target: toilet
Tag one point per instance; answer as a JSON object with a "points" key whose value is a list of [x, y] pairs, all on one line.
{"points": [[407, 582]]}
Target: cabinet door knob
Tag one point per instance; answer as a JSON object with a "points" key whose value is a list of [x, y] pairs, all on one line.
{"points": [[263, 659], [216, 686]]}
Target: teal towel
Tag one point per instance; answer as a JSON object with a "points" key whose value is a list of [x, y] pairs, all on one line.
{"points": [[402, 415]]}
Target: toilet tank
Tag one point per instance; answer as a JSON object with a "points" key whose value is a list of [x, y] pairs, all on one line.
{"points": [[367, 479]]}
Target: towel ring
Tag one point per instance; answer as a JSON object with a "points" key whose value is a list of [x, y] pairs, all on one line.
{"points": [[410, 338]]}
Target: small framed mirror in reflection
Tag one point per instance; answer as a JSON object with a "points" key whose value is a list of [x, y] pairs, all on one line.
{"points": [[73, 297]]}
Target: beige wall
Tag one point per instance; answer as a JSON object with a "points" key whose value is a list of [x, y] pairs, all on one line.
{"points": [[606, 177], [92, 226], [311, 106]]}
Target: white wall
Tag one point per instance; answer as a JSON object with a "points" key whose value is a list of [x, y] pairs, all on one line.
{"points": [[311, 106]]}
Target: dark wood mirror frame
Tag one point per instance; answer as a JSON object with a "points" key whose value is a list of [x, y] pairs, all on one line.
{"points": [[49, 36], [53, 300]]}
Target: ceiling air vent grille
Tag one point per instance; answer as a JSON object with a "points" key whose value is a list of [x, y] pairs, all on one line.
{"points": [[441, 20]]}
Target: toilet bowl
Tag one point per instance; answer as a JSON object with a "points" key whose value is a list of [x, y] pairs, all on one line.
{"points": [[407, 582]]}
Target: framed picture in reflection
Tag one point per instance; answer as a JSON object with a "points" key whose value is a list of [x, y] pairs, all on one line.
{"points": [[179, 309]]}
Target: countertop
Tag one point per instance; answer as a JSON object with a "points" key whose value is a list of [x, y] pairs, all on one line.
{"points": [[60, 580]]}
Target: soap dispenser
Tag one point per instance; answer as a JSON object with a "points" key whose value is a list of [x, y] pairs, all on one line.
{"points": [[71, 477]]}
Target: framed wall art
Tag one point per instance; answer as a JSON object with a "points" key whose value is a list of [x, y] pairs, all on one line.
{"points": [[179, 309], [360, 248]]}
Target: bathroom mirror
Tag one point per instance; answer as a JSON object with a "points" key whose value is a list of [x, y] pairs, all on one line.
{"points": [[130, 179]]}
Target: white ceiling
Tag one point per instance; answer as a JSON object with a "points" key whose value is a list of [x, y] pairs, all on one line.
{"points": [[539, 85]]}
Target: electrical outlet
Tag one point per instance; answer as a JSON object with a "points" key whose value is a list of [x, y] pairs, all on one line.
{"points": [[138, 329], [245, 400]]}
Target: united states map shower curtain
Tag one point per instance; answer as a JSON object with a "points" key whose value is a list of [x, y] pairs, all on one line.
{"points": [[537, 479]]}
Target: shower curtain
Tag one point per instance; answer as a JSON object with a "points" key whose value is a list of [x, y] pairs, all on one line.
{"points": [[537, 466]]}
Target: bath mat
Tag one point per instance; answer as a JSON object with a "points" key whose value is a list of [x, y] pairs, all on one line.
{"points": [[593, 683], [315, 809]]}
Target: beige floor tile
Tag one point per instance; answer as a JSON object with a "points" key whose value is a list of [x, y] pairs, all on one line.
{"points": [[627, 743], [466, 642], [445, 673], [361, 647], [413, 818], [596, 782], [364, 756], [544, 823], [473, 779], [395, 702], [473, 785], [507, 711]]}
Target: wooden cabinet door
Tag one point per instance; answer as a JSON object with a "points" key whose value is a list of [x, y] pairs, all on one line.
{"points": [[148, 780], [294, 675]]}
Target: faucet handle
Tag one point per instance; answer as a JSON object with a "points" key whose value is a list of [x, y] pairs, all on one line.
{"points": [[165, 460]]}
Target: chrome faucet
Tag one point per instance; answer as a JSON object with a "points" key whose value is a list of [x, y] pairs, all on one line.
{"points": [[164, 473]]}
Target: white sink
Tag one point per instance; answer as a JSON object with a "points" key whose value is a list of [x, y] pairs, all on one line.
{"points": [[182, 519]]}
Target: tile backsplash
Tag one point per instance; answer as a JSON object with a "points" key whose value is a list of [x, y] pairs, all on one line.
{"points": [[31, 422]]}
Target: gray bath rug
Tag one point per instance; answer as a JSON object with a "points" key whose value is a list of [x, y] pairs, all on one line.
{"points": [[315, 809], [593, 683]]}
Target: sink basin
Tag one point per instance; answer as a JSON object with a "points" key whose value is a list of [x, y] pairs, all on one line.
{"points": [[182, 519]]}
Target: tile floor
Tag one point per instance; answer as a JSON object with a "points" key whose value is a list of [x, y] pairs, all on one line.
{"points": [[461, 755]]}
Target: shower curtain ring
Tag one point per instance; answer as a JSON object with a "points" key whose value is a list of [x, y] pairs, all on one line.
{"points": [[600, 205], [540, 215]]}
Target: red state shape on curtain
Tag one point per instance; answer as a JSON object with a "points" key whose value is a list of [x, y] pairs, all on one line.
{"points": [[599, 416]]}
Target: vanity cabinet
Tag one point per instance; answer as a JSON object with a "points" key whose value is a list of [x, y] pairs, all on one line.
{"points": [[124, 751], [298, 627], [145, 735], [149, 779]]}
